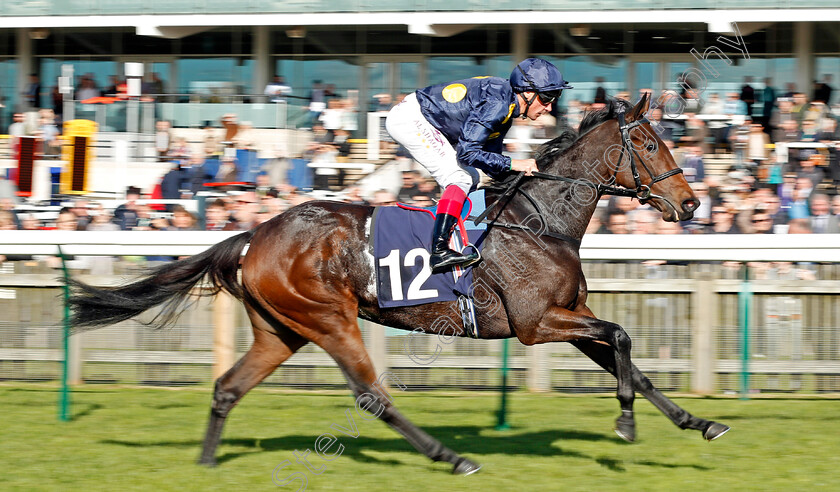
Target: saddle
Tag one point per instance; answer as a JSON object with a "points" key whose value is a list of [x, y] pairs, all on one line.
{"points": [[401, 239]]}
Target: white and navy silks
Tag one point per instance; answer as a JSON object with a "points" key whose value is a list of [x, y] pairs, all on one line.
{"points": [[451, 129]]}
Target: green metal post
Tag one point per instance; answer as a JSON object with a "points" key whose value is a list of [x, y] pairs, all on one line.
{"points": [[744, 307], [502, 423], [64, 398]]}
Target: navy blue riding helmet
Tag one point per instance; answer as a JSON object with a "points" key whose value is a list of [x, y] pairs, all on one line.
{"points": [[540, 77]]}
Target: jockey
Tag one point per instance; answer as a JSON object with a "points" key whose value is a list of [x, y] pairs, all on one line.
{"points": [[452, 129]]}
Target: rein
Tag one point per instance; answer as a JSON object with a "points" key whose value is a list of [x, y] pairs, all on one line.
{"points": [[508, 192], [641, 193], [519, 227]]}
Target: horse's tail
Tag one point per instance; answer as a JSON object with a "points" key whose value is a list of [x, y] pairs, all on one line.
{"points": [[168, 285]]}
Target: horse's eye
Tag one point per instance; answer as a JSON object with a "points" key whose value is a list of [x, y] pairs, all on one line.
{"points": [[651, 147]]}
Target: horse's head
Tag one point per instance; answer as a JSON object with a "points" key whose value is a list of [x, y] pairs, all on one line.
{"points": [[645, 164]]}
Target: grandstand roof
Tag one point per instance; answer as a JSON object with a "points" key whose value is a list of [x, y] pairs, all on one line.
{"points": [[171, 23]]}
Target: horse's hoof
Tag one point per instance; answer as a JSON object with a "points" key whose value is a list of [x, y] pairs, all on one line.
{"points": [[715, 430], [465, 467], [625, 427]]}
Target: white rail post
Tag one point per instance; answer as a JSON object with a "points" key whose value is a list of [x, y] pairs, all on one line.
{"points": [[74, 371], [539, 367], [378, 346], [704, 313], [223, 334]]}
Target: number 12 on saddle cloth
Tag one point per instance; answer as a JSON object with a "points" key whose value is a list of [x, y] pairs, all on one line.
{"points": [[402, 238]]}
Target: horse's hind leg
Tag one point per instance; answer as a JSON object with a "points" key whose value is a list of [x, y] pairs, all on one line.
{"points": [[605, 357], [273, 344], [350, 354]]}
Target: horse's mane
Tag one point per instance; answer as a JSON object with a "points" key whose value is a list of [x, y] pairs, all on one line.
{"points": [[612, 107], [568, 136]]}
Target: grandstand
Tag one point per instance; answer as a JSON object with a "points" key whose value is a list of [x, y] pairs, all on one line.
{"points": [[216, 59]]}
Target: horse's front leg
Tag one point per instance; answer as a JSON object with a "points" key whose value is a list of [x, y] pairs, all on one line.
{"points": [[562, 325], [605, 358]]}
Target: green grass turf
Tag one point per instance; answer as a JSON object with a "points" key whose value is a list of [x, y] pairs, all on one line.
{"points": [[148, 439]]}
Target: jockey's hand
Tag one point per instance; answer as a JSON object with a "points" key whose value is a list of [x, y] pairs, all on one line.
{"points": [[527, 165]]}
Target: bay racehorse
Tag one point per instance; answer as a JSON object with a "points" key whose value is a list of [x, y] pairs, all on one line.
{"points": [[308, 274]]}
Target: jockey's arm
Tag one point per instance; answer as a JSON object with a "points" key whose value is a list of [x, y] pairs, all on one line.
{"points": [[517, 165], [478, 133]]}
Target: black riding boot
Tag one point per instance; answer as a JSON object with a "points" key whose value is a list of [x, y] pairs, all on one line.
{"points": [[444, 258]]}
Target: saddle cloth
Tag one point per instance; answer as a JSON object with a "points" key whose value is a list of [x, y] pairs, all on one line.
{"points": [[402, 239]]}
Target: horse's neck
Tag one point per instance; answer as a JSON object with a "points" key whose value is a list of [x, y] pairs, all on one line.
{"points": [[567, 208]]}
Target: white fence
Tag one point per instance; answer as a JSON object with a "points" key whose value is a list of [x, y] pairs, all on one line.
{"points": [[705, 247], [685, 331]]}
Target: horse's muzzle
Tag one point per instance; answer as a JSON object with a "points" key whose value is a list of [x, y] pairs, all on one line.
{"points": [[689, 205]]}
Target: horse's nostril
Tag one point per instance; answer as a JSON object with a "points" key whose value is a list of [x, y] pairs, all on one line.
{"points": [[690, 205]]}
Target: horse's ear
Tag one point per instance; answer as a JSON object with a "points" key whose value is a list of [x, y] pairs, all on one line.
{"points": [[640, 108]]}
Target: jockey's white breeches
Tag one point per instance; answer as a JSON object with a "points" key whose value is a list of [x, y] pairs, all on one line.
{"points": [[428, 146]]}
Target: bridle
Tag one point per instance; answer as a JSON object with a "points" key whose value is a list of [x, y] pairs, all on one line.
{"points": [[642, 192]]}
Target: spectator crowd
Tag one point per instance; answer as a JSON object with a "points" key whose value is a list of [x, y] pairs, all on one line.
{"points": [[779, 148], [783, 177]]}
